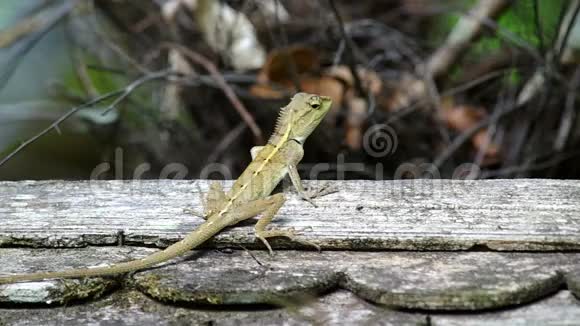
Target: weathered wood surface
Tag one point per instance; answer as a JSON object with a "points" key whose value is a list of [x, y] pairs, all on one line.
{"points": [[336, 308], [561, 309], [457, 281], [133, 308], [529, 215]]}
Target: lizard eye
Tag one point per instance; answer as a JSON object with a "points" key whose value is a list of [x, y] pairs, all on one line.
{"points": [[315, 102]]}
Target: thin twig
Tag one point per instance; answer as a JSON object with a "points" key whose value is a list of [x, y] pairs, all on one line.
{"points": [[225, 143], [114, 47], [351, 62], [568, 31], [524, 134], [228, 91], [83, 74], [398, 115], [468, 134], [567, 119], [530, 167], [292, 68], [111, 70], [472, 83], [122, 54], [467, 29], [435, 100], [251, 255], [55, 124], [122, 93], [135, 84], [539, 28], [491, 131]]}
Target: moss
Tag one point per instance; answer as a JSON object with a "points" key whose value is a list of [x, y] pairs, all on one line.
{"points": [[75, 290], [152, 285]]}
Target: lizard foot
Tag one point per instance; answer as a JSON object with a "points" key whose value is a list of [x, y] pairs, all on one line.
{"points": [[325, 189], [289, 233], [312, 193], [306, 242]]}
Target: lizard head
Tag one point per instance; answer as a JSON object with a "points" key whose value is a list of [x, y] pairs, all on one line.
{"points": [[302, 115]]}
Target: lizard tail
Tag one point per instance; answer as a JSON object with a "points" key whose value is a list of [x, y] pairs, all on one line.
{"points": [[191, 241]]}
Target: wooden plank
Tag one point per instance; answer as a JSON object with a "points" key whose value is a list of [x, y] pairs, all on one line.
{"points": [[133, 308], [337, 308], [410, 280], [530, 215], [562, 309], [59, 292]]}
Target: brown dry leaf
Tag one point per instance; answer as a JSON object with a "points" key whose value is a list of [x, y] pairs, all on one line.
{"points": [[278, 66], [268, 92], [462, 117], [336, 82], [323, 85]]}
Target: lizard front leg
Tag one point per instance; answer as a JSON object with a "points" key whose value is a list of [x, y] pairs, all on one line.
{"points": [[307, 195], [297, 183]]}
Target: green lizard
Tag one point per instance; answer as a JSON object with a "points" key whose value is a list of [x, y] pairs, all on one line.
{"points": [[249, 196]]}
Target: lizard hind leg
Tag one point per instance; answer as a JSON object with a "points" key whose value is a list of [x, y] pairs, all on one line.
{"points": [[267, 207], [214, 200], [276, 201], [212, 203]]}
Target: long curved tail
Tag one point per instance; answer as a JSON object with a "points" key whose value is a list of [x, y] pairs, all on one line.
{"points": [[192, 240]]}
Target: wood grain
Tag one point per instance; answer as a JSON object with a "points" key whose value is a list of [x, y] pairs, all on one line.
{"points": [[528, 215], [133, 308]]}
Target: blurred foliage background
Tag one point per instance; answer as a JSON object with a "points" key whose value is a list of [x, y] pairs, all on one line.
{"points": [[454, 88]]}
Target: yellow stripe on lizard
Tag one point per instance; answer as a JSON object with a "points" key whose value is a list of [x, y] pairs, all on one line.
{"points": [[261, 168]]}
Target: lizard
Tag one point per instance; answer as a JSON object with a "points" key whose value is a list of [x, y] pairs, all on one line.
{"points": [[250, 196]]}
